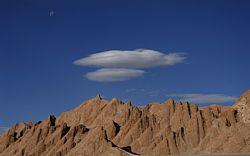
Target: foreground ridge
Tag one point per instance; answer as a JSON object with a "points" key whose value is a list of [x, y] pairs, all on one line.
{"points": [[101, 127]]}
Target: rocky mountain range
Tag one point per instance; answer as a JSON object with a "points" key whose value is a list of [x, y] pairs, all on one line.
{"points": [[115, 128]]}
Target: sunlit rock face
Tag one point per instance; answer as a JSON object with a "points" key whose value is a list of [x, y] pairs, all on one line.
{"points": [[101, 127], [243, 107]]}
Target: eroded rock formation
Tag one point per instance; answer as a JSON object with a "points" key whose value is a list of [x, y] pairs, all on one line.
{"points": [[101, 127]]}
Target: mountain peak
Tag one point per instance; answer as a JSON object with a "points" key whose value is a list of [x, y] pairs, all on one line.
{"points": [[242, 105], [244, 99], [116, 101], [169, 101], [98, 96], [246, 95]]}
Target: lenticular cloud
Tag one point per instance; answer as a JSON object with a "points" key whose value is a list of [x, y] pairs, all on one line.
{"points": [[120, 65], [140, 58], [113, 74]]}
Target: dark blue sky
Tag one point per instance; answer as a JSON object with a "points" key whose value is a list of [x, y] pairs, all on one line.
{"points": [[38, 77]]}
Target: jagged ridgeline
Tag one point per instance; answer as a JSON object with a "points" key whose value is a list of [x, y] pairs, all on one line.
{"points": [[114, 128]]}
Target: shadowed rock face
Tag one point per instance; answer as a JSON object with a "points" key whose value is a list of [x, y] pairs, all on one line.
{"points": [[100, 127]]}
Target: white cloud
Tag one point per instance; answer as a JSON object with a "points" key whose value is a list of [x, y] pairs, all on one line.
{"points": [[205, 98], [139, 58], [120, 65], [113, 74]]}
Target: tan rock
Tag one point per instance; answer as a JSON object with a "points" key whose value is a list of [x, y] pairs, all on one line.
{"points": [[101, 127]]}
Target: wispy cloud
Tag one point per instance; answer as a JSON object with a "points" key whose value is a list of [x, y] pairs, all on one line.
{"points": [[130, 61], [204, 98], [135, 90], [146, 92], [113, 74], [3, 129], [192, 97]]}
